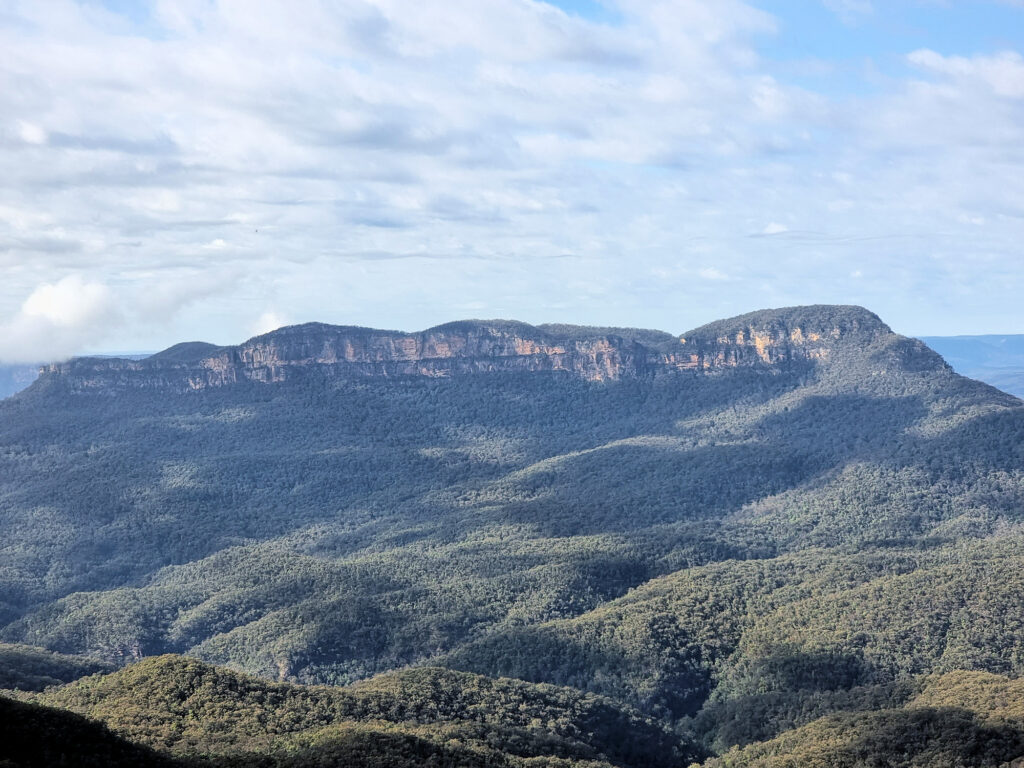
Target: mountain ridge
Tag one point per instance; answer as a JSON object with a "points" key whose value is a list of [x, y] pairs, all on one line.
{"points": [[764, 340], [735, 549]]}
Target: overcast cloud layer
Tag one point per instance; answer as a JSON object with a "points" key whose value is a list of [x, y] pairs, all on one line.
{"points": [[210, 170]]}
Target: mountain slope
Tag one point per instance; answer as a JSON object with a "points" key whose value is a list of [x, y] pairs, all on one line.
{"points": [[26, 668], [715, 528], [182, 706], [902, 738], [33, 736]]}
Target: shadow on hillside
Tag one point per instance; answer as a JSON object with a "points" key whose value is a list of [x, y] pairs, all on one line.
{"points": [[597, 491]]}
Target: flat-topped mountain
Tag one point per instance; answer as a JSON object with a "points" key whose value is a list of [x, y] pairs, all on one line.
{"points": [[730, 530], [772, 338]]}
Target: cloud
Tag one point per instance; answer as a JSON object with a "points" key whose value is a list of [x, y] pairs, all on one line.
{"points": [[710, 273], [57, 320], [269, 321], [65, 318], [1002, 74], [70, 303], [414, 157], [31, 133], [850, 11]]}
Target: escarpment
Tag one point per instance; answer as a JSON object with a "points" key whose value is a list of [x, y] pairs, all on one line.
{"points": [[774, 337], [770, 340]]}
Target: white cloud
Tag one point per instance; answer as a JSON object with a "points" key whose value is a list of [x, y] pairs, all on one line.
{"points": [[1003, 73], [269, 321], [710, 273], [850, 11], [69, 303], [31, 133], [430, 155], [75, 314], [774, 228], [57, 319]]}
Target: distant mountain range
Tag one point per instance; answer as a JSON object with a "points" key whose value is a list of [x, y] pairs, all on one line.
{"points": [[789, 538], [996, 360], [14, 378]]}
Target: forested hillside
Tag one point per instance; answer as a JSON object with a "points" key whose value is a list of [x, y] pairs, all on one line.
{"points": [[739, 542], [188, 708]]}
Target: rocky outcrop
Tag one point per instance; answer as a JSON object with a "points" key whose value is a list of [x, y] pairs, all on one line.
{"points": [[780, 336], [769, 340]]}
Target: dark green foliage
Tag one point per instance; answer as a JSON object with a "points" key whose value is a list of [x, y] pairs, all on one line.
{"points": [[390, 746], [187, 707], [186, 352], [911, 738], [785, 638], [26, 668], [32, 736]]}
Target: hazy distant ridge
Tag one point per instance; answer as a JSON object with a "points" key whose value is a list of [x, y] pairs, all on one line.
{"points": [[996, 360]]}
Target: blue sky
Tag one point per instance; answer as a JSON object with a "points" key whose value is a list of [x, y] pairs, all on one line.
{"points": [[209, 169], [855, 30], [892, 28]]}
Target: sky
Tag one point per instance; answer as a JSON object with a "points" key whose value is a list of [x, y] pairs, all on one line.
{"points": [[213, 169]]}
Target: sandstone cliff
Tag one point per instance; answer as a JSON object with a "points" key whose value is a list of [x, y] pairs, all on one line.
{"points": [[768, 340]]}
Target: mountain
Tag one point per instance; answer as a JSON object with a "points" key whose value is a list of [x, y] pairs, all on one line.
{"points": [[740, 532], [25, 668], [780, 339], [184, 707], [33, 736], [997, 360], [16, 377]]}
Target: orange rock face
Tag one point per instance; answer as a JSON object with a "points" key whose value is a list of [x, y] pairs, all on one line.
{"points": [[475, 347]]}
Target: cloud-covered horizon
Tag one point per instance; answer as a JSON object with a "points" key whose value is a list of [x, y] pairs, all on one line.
{"points": [[199, 169]]}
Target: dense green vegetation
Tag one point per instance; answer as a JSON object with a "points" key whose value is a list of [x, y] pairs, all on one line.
{"points": [[32, 736], [26, 668], [196, 715], [917, 738], [773, 562], [956, 719], [185, 707], [748, 649]]}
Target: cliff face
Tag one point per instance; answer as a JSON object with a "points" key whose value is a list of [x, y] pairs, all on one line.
{"points": [[775, 337], [768, 340]]}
